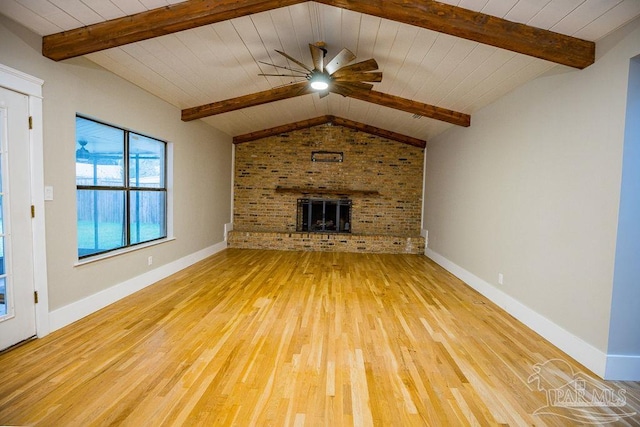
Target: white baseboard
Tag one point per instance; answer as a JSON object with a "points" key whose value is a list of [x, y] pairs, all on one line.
{"points": [[580, 350], [68, 314], [622, 368]]}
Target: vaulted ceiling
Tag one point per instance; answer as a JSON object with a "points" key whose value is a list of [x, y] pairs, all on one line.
{"points": [[441, 61]]}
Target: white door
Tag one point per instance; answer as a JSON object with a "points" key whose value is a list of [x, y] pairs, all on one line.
{"points": [[17, 304]]}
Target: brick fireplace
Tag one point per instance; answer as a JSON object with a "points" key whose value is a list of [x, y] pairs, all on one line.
{"points": [[328, 188]]}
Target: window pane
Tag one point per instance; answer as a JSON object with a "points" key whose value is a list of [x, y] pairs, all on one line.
{"points": [[101, 222], [147, 211], [146, 161], [99, 154]]}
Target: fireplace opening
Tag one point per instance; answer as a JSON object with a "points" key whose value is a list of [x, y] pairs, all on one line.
{"points": [[324, 215]]}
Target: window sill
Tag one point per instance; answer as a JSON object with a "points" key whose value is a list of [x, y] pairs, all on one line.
{"points": [[123, 251]]}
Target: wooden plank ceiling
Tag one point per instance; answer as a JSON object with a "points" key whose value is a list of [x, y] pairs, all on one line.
{"points": [[441, 62]]}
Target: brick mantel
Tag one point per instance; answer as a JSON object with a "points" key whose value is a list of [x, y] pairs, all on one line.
{"points": [[327, 191]]}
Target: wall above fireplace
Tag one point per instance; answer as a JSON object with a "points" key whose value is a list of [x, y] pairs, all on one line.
{"points": [[382, 178]]}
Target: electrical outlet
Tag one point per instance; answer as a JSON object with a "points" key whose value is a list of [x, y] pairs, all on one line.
{"points": [[150, 260], [500, 279]]}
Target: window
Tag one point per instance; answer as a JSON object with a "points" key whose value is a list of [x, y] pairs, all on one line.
{"points": [[121, 188]]}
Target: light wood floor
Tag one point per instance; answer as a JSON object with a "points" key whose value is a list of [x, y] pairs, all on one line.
{"points": [[289, 338]]}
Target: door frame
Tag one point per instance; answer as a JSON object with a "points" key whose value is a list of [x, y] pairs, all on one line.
{"points": [[18, 81]]}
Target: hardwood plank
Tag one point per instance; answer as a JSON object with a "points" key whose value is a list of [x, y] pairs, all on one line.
{"points": [[251, 337]]}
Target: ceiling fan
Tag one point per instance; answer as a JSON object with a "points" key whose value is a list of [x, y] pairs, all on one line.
{"points": [[335, 75], [339, 76]]}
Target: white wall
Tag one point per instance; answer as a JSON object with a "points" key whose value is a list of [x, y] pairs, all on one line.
{"points": [[202, 172], [531, 190]]}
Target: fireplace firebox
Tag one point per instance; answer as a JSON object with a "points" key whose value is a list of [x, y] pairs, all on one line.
{"points": [[324, 215]]}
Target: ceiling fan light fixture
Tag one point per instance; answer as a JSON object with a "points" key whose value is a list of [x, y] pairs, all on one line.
{"points": [[319, 81], [82, 154]]}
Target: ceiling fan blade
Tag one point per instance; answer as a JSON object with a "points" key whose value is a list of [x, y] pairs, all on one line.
{"points": [[368, 65], [340, 60], [293, 70], [280, 75], [318, 57], [324, 93], [359, 77], [295, 61], [336, 87]]}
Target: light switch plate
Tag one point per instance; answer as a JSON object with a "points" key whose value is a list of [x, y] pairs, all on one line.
{"points": [[48, 192]]}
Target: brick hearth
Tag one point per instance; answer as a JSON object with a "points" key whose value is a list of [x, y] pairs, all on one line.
{"points": [[326, 242]]}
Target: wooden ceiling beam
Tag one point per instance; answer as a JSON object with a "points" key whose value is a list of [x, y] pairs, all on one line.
{"points": [[414, 107], [150, 24], [338, 121], [302, 88], [403, 104], [383, 133], [265, 133], [479, 27], [251, 100], [431, 15]]}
